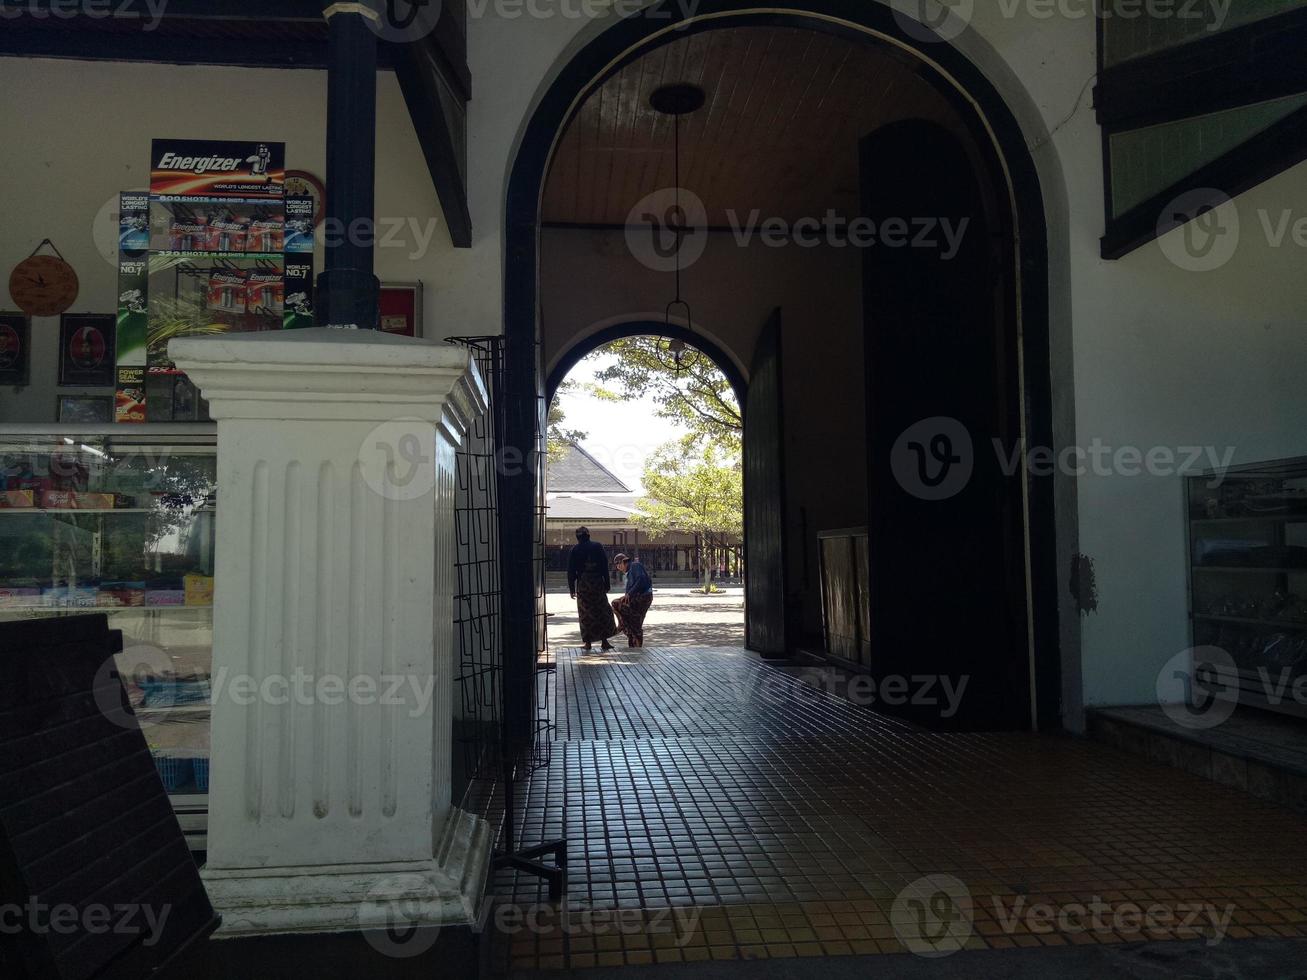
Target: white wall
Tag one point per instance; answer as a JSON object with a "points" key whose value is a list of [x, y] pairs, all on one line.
{"points": [[77, 133]]}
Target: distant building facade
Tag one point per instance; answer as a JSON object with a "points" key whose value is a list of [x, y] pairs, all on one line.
{"points": [[582, 491]]}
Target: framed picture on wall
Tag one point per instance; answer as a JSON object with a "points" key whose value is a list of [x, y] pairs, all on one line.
{"points": [[85, 409], [86, 349], [401, 308], [15, 348]]}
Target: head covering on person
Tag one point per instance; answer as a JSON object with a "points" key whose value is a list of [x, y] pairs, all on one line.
{"points": [[620, 559]]}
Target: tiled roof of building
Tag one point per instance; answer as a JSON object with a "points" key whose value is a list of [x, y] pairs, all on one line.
{"points": [[584, 507], [576, 471]]}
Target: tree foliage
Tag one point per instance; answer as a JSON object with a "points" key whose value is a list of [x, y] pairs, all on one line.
{"points": [[694, 489], [695, 394], [558, 435]]}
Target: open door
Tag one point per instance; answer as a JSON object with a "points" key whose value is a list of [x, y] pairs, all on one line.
{"points": [[764, 497], [946, 535]]}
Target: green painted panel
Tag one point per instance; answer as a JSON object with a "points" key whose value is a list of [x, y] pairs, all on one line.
{"points": [[1147, 161], [1132, 28]]}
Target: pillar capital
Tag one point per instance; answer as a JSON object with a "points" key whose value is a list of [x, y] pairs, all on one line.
{"points": [[330, 374]]}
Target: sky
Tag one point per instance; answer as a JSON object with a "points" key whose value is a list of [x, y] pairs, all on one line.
{"points": [[621, 435]]}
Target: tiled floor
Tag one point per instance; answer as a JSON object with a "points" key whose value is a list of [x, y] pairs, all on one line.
{"points": [[726, 809]]}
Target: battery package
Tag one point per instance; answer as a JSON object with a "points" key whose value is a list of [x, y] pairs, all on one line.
{"points": [[267, 233], [227, 234], [188, 233], [264, 292], [226, 292]]}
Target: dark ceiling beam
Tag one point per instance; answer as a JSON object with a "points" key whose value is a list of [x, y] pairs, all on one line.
{"points": [[419, 78], [1253, 63], [303, 11], [159, 48], [1267, 154]]}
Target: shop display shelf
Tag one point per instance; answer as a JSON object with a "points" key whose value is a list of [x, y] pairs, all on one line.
{"points": [[170, 253], [60, 511], [1249, 519], [1247, 621], [1253, 569], [113, 609]]}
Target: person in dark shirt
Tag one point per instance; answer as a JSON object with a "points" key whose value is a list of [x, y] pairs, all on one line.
{"points": [[587, 581], [632, 606]]}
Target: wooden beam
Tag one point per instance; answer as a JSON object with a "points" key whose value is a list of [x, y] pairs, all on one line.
{"points": [[160, 48], [1267, 154], [304, 11], [1254, 63], [419, 79]]}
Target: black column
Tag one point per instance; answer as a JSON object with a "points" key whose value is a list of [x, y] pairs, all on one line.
{"points": [[347, 289]]}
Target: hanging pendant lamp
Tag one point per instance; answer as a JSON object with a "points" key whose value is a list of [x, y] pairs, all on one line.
{"points": [[677, 101]]}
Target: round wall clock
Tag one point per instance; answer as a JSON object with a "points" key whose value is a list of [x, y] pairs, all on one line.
{"points": [[301, 183], [43, 285]]}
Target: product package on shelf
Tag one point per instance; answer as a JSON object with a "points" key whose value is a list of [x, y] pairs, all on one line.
{"points": [[203, 253], [133, 306], [297, 304]]}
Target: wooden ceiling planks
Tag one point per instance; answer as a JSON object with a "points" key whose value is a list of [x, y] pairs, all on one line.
{"points": [[779, 132]]}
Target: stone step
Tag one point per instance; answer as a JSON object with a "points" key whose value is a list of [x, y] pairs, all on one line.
{"points": [[1260, 752]]}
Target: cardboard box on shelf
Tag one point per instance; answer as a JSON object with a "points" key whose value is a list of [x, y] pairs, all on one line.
{"points": [[199, 589], [9, 598], [70, 596], [165, 597], [122, 593], [75, 500]]}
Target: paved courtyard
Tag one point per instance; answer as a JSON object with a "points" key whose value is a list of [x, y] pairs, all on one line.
{"points": [[677, 618], [719, 808]]}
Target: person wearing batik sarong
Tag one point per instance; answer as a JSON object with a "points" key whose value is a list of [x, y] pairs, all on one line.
{"points": [[587, 581], [632, 606]]}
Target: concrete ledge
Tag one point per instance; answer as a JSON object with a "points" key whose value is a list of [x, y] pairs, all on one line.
{"points": [[1256, 751]]}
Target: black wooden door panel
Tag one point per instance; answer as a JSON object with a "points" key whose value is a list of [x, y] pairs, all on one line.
{"points": [[764, 497]]}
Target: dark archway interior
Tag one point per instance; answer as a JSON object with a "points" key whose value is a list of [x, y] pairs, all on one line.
{"points": [[799, 44]]}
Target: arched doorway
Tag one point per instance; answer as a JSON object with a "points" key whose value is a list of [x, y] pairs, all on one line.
{"points": [[1012, 180]]}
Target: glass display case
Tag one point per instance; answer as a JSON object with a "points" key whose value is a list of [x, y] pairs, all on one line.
{"points": [[121, 519], [1248, 576]]}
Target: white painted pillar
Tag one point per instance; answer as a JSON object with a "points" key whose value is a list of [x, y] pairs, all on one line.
{"points": [[333, 637]]}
